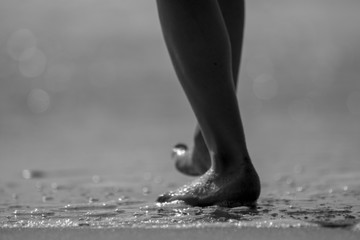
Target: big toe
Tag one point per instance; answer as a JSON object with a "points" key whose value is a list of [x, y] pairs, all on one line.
{"points": [[164, 198], [179, 150]]}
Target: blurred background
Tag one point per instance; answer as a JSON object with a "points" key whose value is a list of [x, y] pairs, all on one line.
{"points": [[88, 85]]}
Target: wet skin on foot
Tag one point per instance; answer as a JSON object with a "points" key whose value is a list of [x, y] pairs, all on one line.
{"points": [[229, 189]]}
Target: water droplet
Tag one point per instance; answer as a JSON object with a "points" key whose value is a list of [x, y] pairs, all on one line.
{"points": [[35, 211], [123, 198]]}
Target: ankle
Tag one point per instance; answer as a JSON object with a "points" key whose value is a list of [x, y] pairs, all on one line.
{"points": [[228, 163]]}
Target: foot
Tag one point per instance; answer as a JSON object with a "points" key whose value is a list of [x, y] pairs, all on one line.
{"points": [[195, 162], [232, 188]]}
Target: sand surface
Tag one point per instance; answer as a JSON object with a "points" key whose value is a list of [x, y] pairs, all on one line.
{"points": [[206, 233], [90, 108]]}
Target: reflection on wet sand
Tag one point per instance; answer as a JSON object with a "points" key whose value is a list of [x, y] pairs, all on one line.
{"points": [[287, 202]]}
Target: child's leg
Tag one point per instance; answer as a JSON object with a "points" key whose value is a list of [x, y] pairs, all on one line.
{"points": [[196, 161], [200, 49]]}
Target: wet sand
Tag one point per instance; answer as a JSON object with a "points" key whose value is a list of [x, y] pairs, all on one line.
{"points": [[84, 154], [316, 194], [201, 234]]}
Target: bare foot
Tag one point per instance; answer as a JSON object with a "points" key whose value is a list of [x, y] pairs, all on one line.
{"points": [[232, 188], [195, 162]]}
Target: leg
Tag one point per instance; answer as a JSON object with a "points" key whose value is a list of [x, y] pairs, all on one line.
{"points": [[196, 162], [199, 46]]}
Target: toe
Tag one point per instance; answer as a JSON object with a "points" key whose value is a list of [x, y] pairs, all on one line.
{"points": [[181, 155], [179, 150], [164, 198]]}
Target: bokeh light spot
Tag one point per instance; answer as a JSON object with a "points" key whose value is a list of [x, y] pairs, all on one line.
{"points": [[38, 100], [19, 42], [32, 63], [353, 103], [57, 77], [265, 87]]}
